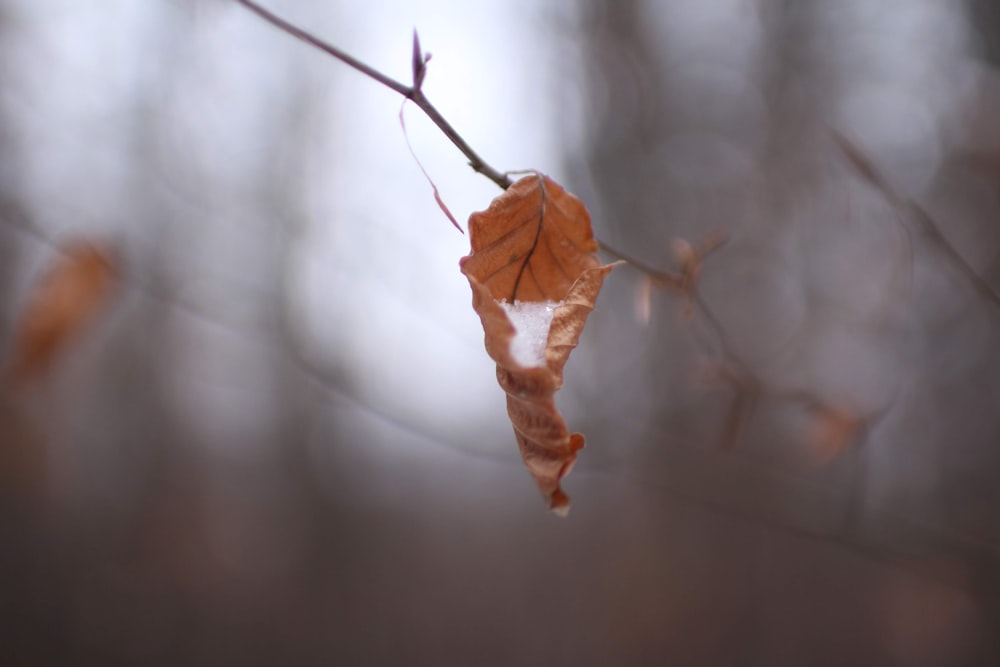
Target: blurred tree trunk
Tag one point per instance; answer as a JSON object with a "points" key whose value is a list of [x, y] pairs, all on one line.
{"points": [[985, 19]]}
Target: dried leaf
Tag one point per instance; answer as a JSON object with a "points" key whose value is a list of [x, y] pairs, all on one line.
{"points": [[833, 429], [76, 285], [535, 244]]}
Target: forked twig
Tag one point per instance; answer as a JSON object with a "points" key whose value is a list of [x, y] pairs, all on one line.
{"points": [[660, 278], [685, 281], [415, 93], [412, 92]]}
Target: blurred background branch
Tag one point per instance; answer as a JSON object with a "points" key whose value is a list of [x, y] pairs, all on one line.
{"points": [[281, 440]]}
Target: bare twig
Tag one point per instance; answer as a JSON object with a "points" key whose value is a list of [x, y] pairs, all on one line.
{"points": [[922, 219], [684, 282], [660, 278], [413, 92]]}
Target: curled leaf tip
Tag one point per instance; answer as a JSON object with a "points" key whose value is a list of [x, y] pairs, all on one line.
{"points": [[559, 504]]}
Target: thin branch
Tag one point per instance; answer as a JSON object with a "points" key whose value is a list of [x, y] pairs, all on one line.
{"points": [[933, 232], [678, 282], [416, 95], [329, 49], [720, 332], [413, 92], [922, 219], [664, 278]]}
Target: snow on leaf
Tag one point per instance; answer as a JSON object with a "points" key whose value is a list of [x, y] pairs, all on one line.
{"points": [[532, 321], [534, 245]]}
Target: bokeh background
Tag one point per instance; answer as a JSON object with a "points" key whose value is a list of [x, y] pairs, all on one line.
{"points": [[282, 440]]}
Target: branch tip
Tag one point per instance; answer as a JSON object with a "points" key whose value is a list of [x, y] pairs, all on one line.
{"points": [[419, 62]]}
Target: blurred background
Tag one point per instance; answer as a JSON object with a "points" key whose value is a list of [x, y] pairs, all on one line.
{"points": [[281, 439]]}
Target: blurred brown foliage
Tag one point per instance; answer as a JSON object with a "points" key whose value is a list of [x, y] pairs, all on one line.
{"points": [[65, 299]]}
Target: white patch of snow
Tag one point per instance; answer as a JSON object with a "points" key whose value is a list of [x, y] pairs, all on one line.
{"points": [[531, 321]]}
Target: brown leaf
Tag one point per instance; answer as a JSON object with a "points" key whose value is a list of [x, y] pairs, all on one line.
{"points": [[534, 244], [833, 429], [62, 303]]}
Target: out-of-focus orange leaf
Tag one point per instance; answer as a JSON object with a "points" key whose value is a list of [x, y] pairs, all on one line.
{"points": [[73, 289], [833, 429], [690, 257], [534, 245]]}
